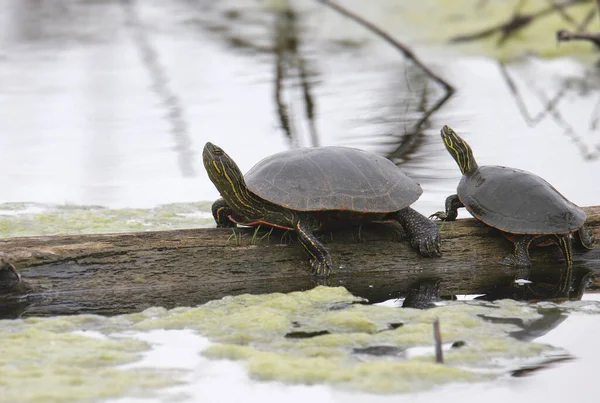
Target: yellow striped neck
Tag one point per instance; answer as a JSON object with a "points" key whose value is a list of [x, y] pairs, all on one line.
{"points": [[247, 206], [460, 151]]}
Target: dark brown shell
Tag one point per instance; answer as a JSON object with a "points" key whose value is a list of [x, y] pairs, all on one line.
{"points": [[332, 178], [518, 202]]}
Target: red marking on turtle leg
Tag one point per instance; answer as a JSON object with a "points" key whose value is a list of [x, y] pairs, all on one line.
{"points": [[259, 222]]}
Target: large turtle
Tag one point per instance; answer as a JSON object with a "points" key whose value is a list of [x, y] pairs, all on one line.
{"points": [[307, 189], [525, 207]]}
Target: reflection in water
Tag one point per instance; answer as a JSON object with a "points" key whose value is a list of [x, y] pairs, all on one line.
{"points": [[423, 295], [160, 84], [519, 21], [410, 140], [57, 24], [556, 283], [288, 58], [551, 106], [396, 121], [39, 20]]}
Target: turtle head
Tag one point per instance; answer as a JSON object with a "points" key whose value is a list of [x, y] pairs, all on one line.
{"points": [[222, 170], [459, 150]]}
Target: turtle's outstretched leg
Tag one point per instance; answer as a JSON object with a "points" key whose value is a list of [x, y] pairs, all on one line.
{"points": [[520, 257], [221, 212], [321, 260], [584, 238], [423, 233], [452, 205]]}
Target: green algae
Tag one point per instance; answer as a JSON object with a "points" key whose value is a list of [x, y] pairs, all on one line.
{"points": [[254, 331], [436, 21], [380, 376], [27, 219], [41, 360]]}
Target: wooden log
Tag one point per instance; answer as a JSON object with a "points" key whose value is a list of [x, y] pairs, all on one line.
{"points": [[119, 273]]}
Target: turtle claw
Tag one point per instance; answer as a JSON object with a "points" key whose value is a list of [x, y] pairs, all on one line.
{"points": [[322, 268], [432, 248], [435, 248], [424, 235], [427, 246], [440, 215]]}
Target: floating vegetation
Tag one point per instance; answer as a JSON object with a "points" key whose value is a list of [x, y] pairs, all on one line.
{"points": [[358, 347], [27, 219]]}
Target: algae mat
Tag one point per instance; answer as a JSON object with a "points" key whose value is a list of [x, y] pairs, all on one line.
{"points": [[35, 219], [322, 336]]}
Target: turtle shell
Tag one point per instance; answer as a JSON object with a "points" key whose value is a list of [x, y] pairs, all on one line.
{"points": [[332, 178], [518, 202]]}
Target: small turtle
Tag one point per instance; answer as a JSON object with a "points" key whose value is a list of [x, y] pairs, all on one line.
{"points": [[305, 189], [526, 208]]}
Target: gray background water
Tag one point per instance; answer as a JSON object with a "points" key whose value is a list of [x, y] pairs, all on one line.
{"points": [[110, 102]]}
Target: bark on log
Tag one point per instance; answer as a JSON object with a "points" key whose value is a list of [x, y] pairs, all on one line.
{"points": [[119, 273]]}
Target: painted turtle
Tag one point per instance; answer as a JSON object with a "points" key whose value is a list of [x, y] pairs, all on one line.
{"points": [[525, 207], [307, 189]]}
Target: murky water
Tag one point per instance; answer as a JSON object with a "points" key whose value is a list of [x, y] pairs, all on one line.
{"points": [[109, 103]]}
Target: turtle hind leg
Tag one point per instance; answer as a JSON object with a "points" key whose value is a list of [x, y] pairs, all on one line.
{"points": [[321, 260], [221, 212], [453, 203], [584, 238], [520, 257], [424, 234]]}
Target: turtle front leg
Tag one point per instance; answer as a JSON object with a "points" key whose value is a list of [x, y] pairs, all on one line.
{"points": [[424, 234], [221, 212], [453, 203], [321, 260], [584, 238]]}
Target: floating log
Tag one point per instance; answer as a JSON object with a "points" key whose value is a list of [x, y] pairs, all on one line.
{"points": [[127, 272]]}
